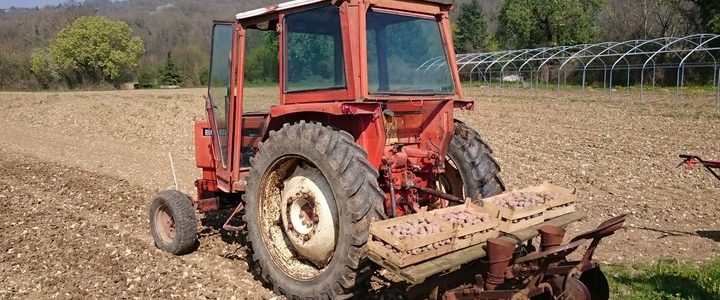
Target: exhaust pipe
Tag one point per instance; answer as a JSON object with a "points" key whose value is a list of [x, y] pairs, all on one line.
{"points": [[551, 237], [499, 254]]}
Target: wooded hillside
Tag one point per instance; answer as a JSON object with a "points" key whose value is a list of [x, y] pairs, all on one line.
{"points": [[181, 28]]}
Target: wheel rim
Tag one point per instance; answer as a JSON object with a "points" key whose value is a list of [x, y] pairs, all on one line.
{"points": [[451, 182], [298, 217], [165, 224]]}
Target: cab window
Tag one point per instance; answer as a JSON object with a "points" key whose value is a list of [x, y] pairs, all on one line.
{"points": [[313, 50]]}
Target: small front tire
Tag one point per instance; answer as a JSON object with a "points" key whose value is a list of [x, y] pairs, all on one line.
{"points": [[173, 223]]}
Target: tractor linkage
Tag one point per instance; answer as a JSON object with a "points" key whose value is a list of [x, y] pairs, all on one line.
{"points": [[690, 161]]}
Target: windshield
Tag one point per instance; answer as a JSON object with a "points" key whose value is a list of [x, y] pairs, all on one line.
{"points": [[406, 55]]}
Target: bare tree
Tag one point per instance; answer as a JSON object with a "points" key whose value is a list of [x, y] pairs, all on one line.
{"points": [[646, 19]]}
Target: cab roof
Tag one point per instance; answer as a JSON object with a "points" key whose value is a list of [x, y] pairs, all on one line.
{"points": [[298, 3]]}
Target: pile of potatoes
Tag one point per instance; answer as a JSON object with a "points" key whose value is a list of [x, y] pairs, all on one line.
{"points": [[416, 229], [521, 200], [548, 195], [465, 217]]}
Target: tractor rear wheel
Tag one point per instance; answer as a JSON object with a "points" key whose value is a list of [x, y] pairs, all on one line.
{"points": [[173, 223], [310, 200], [471, 171]]}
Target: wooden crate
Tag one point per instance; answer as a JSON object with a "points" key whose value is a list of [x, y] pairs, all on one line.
{"points": [[561, 204], [399, 259], [515, 219], [472, 234], [399, 255]]}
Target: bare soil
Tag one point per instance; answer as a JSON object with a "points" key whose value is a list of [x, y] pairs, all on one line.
{"points": [[78, 171], [621, 155]]}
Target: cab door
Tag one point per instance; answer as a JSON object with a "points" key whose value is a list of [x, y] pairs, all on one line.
{"points": [[222, 98]]}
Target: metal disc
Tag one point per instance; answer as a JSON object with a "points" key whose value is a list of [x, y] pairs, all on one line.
{"points": [[574, 289], [597, 283]]}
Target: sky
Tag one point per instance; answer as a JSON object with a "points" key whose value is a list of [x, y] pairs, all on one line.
{"points": [[27, 3]]}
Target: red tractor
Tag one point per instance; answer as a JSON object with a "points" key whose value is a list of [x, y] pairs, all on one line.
{"points": [[361, 133]]}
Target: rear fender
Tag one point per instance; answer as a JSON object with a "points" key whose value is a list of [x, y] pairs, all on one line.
{"points": [[361, 119], [327, 108]]}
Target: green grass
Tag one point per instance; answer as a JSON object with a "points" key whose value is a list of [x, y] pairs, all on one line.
{"points": [[665, 280]]}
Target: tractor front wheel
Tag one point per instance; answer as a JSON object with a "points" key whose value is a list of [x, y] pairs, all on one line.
{"points": [[173, 223], [310, 200]]}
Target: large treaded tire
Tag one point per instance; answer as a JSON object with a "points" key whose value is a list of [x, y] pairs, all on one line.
{"points": [[358, 199], [179, 207], [477, 167]]}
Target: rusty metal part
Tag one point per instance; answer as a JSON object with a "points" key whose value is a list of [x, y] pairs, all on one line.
{"points": [[165, 224], [605, 229], [500, 252], [204, 205], [710, 165], [545, 274], [595, 280], [436, 193], [551, 237], [240, 207], [207, 204], [569, 288], [475, 293]]}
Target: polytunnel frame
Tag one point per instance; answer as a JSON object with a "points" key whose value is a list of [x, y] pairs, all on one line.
{"points": [[608, 46], [607, 57], [642, 43]]}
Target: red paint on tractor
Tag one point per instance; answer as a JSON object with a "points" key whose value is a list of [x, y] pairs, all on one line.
{"points": [[405, 136]]}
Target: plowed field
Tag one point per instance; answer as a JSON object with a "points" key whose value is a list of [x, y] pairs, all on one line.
{"points": [[78, 170]]}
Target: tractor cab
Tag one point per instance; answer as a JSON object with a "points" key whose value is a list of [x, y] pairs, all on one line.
{"points": [[335, 58]]}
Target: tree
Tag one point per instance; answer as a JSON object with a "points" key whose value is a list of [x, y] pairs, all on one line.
{"points": [[528, 23], [146, 79], [709, 15], [170, 73], [471, 34], [648, 19], [715, 23], [43, 68], [261, 61], [96, 48]]}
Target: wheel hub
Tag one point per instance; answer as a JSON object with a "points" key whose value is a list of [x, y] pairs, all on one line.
{"points": [[302, 213], [165, 224], [309, 215]]}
